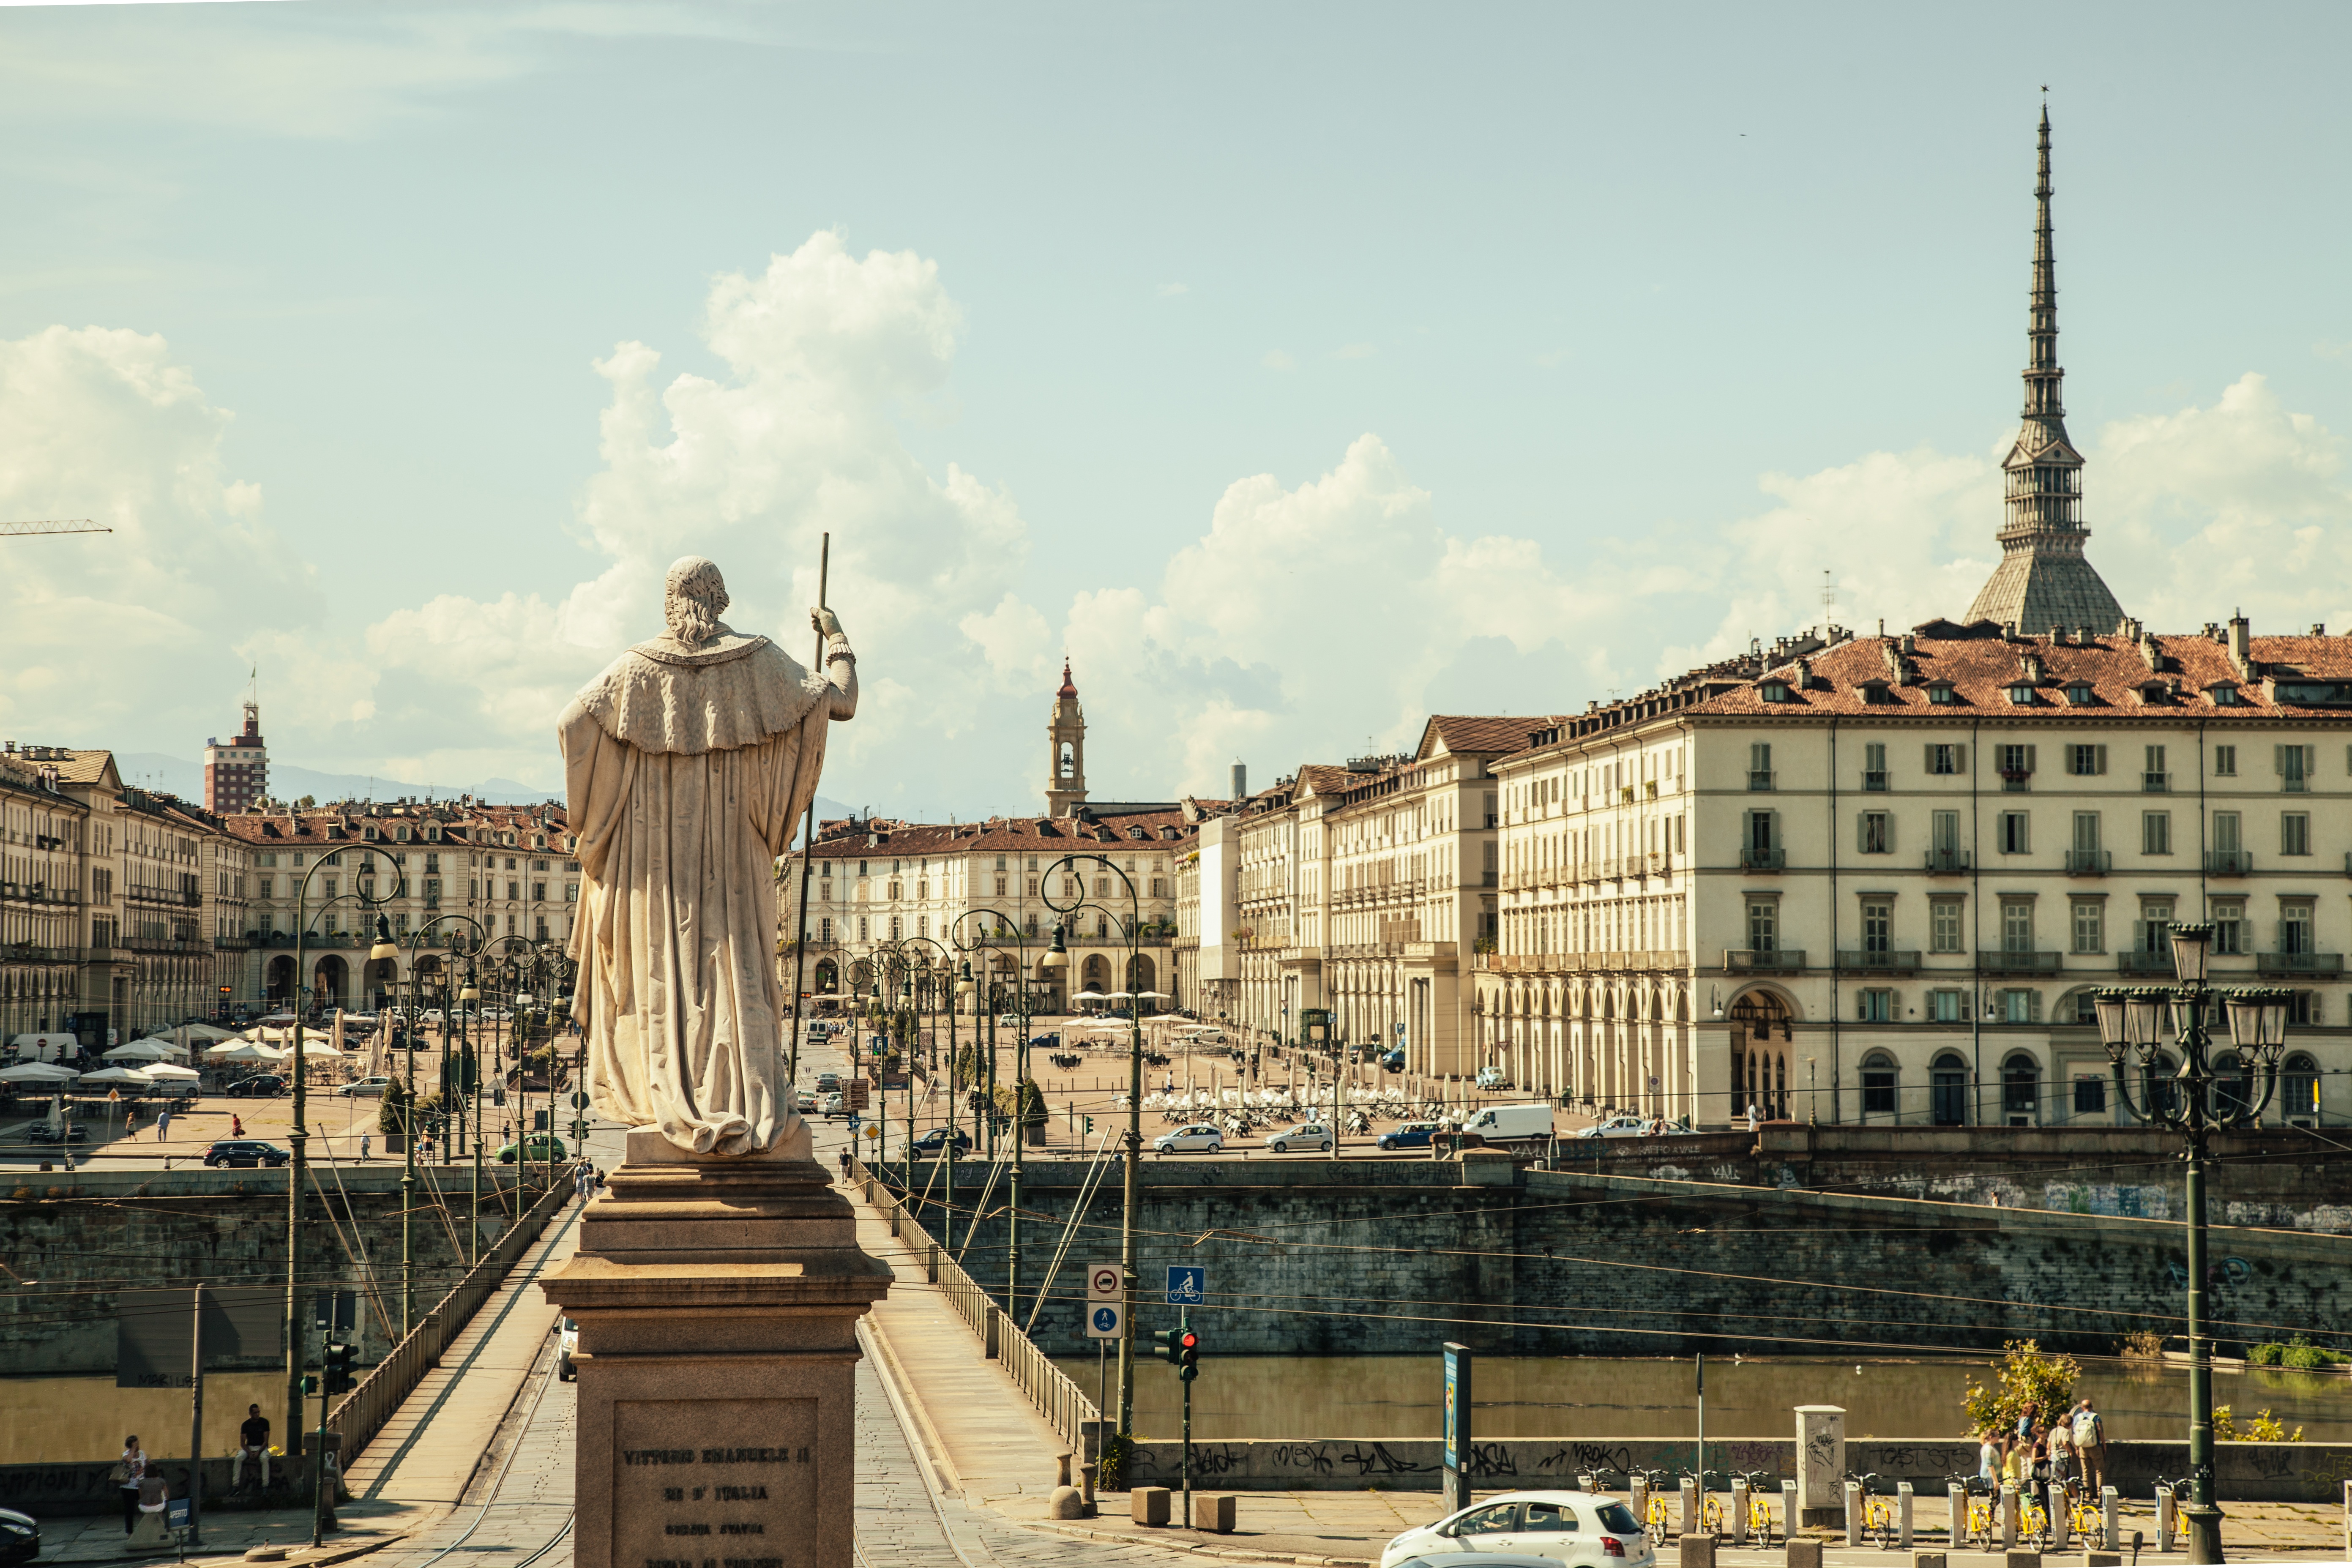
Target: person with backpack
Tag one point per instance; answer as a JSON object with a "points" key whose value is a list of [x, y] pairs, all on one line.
{"points": [[2091, 1447]]}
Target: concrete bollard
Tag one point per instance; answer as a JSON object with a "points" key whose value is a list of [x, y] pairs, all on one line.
{"points": [[1086, 1488], [1955, 1499], [1903, 1513], [1697, 1551], [1854, 1513], [1064, 1503], [1062, 1468], [1213, 1512], [2103, 1560], [2111, 1535], [2008, 1517], [1148, 1505], [1788, 1509], [1739, 1510], [1929, 1559], [2167, 1518], [1690, 1519], [2054, 1508], [1640, 1487], [2021, 1560], [1804, 1553]]}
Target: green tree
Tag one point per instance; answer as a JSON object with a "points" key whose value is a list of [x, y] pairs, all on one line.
{"points": [[2025, 1376], [392, 1116]]}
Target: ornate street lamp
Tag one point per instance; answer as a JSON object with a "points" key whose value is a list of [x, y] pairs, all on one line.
{"points": [[1131, 1177], [2194, 1103]]}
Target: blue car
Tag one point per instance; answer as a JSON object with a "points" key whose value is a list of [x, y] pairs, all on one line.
{"points": [[931, 1143], [1394, 1062], [1410, 1136]]}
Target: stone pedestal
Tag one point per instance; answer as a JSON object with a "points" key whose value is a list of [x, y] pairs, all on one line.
{"points": [[1820, 1467], [718, 1301]]}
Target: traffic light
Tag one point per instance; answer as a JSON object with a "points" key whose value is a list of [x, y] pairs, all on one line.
{"points": [[1188, 1355], [310, 1382], [338, 1368], [1164, 1345], [1090, 1126]]}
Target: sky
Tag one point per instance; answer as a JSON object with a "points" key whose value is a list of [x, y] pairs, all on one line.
{"points": [[1295, 372]]}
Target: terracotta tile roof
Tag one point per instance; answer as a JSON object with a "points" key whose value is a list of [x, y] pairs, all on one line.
{"points": [[2306, 676], [1490, 734], [460, 824]]}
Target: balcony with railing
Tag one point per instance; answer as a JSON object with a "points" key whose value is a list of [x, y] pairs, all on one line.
{"points": [[2155, 784], [1752, 858], [1878, 961], [2291, 965], [2228, 862], [1947, 862], [1873, 780], [2019, 960], [1760, 778], [2139, 961], [2089, 862], [1763, 960]]}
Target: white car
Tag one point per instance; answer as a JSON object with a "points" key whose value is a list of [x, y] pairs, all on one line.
{"points": [[1618, 1127], [1582, 1527], [1490, 1078], [566, 1344], [367, 1086], [1311, 1135], [1200, 1138], [831, 1104]]}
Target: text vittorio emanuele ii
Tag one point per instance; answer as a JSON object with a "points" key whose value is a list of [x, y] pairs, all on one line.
{"points": [[746, 1492]]}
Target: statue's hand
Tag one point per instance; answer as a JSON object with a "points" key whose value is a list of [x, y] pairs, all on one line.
{"points": [[826, 621]]}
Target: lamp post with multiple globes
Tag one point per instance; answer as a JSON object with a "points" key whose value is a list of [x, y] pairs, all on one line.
{"points": [[2194, 1100]]}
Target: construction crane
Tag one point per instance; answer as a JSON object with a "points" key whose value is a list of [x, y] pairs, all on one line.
{"points": [[70, 525]]}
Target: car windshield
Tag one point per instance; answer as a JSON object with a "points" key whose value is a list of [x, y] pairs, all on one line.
{"points": [[1617, 1517]]}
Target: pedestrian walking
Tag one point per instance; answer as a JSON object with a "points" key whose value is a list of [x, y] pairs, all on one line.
{"points": [[364, 1146], [129, 1471], [2091, 1447], [237, 1126], [1989, 1460], [163, 1126]]}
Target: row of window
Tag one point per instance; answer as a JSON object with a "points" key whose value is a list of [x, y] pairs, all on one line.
{"points": [[2022, 1101], [1875, 834], [896, 927], [2087, 921], [2294, 766]]}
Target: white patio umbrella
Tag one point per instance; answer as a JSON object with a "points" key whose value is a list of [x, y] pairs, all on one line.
{"points": [[145, 1051], [37, 1072], [131, 1077], [193, 1034], [317, 1049], [166, 1069], [243, 1052]]}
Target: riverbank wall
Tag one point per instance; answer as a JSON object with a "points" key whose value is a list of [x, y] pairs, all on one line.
{"points": [[1359, 1257]]}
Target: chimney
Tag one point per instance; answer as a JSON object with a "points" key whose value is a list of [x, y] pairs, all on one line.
{"points": [[1241, 781], [2241, 645]]}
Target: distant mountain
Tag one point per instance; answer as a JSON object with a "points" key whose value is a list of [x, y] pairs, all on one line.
{"points": [[177, 776]]}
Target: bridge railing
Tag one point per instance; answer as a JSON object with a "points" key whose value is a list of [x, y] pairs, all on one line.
{"points": [[1060, 1401], [362, 1412]]}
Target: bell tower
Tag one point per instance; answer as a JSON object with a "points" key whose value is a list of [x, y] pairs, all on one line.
{"points": [[1066, 773]]}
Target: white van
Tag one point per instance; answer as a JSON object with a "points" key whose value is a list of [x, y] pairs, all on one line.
{"points": [[1511, 1123], [54, 1046]]}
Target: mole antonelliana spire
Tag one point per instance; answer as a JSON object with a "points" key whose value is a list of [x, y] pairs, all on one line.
{"points": [[2043, 582]]}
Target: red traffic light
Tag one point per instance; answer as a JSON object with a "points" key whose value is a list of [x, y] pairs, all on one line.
{"points": [[1188, 1340]]}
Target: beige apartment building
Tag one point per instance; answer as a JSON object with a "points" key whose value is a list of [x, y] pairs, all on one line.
{"points": [[44, 836], [1878, 878], [1362, 888]]}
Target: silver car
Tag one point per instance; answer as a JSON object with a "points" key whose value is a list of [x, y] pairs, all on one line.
{"points": [[1310, 1135], [1201, 1138], [1587, 1528]]}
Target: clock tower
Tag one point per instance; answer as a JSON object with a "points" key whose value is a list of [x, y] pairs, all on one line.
{"points": [[1066, 775]]}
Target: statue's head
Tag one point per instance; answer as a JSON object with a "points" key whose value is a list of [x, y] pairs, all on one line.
{"points": [[693, 598]]}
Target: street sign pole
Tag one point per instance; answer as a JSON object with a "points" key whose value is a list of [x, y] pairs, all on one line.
{"points": [[197, 1419]]}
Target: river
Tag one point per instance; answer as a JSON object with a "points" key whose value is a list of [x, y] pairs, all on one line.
{"points": [[1398, 1397]]}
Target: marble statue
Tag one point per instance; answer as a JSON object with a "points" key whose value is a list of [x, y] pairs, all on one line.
{"points": [[688, 764]]}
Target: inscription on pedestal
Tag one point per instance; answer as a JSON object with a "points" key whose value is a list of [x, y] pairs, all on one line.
{"points": [[712, 1483]]}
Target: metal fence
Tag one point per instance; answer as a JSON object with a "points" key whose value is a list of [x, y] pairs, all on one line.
{"points": [[364, 1410], [1067, 1410]]}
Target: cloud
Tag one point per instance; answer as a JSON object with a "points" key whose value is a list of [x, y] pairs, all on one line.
{"points": [[105, 630], [1354, 350], [1275, 359], [1169, 290]]}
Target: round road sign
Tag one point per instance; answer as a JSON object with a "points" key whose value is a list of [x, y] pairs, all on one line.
{"points": [[1102, 1279]]}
